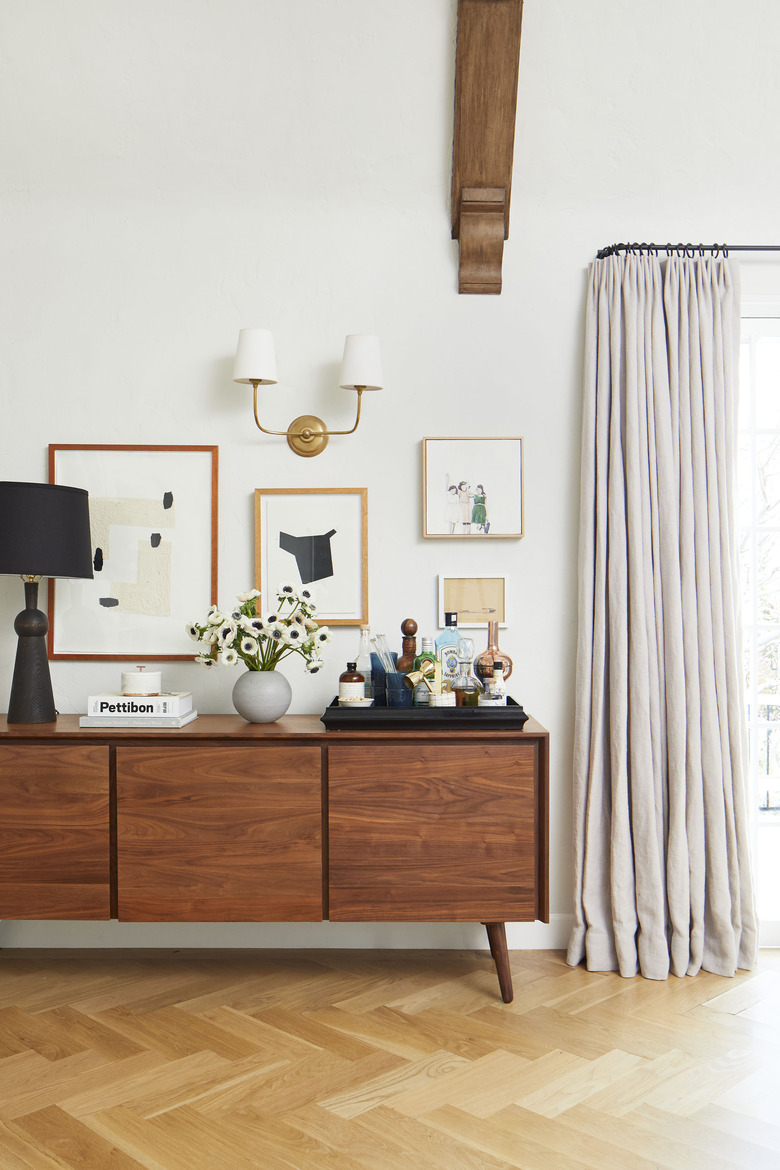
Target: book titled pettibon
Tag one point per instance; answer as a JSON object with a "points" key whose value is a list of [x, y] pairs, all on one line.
{"points": [[164, 705]]}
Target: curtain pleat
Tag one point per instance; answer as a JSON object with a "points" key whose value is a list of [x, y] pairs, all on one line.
{"points": [[661, 850]]}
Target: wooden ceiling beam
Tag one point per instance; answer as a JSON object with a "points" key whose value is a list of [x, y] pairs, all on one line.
{"points": [[486, 71]]}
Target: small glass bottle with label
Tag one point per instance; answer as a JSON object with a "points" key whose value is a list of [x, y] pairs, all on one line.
{"points": [[495, 687], [352, 685]]}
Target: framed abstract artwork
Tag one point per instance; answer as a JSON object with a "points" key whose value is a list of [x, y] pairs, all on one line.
{"points": [[153, 520], [473, 488], [317, 537]]}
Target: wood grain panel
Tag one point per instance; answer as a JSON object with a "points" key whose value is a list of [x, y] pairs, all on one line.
{"points": [[221, 833], [52, 900], [433, 832], [54, 831], [237, 883], [235, 793]]}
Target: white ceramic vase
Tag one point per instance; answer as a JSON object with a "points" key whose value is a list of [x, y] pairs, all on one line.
{"points": [[262, 696]]}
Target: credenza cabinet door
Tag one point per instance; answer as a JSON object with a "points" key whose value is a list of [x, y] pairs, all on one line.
{"points": [[54, 832], [433, 832], [219, 833]]}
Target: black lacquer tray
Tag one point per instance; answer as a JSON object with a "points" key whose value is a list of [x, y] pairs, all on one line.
{"points": [[382, 718]]}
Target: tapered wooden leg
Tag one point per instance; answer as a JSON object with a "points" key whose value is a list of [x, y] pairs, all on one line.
{"points": [[496, 932]]}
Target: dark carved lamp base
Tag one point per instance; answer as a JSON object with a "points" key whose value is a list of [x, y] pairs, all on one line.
{"points": [[32, 700]]}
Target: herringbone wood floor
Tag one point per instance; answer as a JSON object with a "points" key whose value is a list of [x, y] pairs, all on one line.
{"points": [[336, 1060]]}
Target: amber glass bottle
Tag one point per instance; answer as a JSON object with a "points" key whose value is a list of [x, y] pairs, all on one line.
{"points": [[352, 685]]}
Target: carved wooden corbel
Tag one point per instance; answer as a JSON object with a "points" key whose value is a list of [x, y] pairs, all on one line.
{"points": [[486, 71]]}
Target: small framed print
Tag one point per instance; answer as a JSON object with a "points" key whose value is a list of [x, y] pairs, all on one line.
{"points": [[473, 488], [476, 600], [316, 537], [153, 524]]}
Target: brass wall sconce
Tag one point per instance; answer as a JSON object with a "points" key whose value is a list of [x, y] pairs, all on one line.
{"points": [[307, 435]]}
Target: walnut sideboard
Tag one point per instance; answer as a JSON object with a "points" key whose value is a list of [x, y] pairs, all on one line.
{"points": [[227, 821]]}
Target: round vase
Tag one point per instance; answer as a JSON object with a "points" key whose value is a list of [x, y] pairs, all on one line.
{"points": [[262, 696]]}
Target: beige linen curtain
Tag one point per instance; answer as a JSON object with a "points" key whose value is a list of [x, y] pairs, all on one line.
{"points": [[662, 869]]}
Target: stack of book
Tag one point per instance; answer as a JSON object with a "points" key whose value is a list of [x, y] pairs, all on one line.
{"points": [[173, 709]]}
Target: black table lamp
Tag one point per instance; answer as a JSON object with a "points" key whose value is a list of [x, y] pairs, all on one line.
{"points": [[44, 532]]}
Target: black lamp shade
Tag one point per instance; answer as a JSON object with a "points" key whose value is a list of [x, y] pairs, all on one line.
{"points": [[44, 530]]}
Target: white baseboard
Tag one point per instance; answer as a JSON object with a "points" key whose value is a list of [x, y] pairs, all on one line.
{"points": [[307, 935]]}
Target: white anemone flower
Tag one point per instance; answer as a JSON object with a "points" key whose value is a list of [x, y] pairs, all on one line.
{"points": [[288, 590], [294, 635], [214, 617], [315, 665], [253, 625], [229, 657], [310, 624], [250, 596], [193, 632], [227, 632], [275, 631], [205, 660], [248, 646], [323, 635], [307, 597], [271, 619]]}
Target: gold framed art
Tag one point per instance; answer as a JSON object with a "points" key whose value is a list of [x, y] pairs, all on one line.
{"points": [[318, 538]]}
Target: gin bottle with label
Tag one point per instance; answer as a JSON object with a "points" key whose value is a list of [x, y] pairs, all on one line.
{"points": [[447, 648]]}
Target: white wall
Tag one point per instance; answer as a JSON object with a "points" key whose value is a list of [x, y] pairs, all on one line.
{"points": [[173, 170]]}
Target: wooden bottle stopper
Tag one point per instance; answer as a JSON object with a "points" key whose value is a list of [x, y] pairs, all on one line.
{"points": [[408, 645]]}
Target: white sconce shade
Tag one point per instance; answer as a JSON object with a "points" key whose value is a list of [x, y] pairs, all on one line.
{"points": [[362, 364], [255, 358]]}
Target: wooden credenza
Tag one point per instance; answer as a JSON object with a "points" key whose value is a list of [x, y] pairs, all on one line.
{"points": [[225, 821]]}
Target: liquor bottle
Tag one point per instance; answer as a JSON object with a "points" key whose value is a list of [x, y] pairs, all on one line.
{"points": [[495, 688], [483, 665], [352, 685], [427, 654], [498, 686], [364, 660], [467, 686], [447, 648]]}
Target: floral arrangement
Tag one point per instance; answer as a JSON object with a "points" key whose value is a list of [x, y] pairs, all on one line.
{"points": [[262, 642]]}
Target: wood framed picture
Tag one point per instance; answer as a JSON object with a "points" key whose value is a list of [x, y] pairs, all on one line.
{"points": [[153, 520], [473, 488], [476, 600], [317, 537]]}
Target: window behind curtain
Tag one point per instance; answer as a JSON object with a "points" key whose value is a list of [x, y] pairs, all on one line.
{"points": [[759, 522]]}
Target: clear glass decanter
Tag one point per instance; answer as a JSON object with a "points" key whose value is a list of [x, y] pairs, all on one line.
{"points": [[466, 686]]}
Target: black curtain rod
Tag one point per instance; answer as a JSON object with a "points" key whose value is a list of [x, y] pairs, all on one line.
{"points": [[691, 250]]}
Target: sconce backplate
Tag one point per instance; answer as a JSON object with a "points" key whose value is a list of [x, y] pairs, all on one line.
{"points": [[307, 435]]}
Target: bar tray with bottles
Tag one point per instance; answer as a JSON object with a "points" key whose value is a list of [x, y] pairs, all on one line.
{"points": [[512, 717]]}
